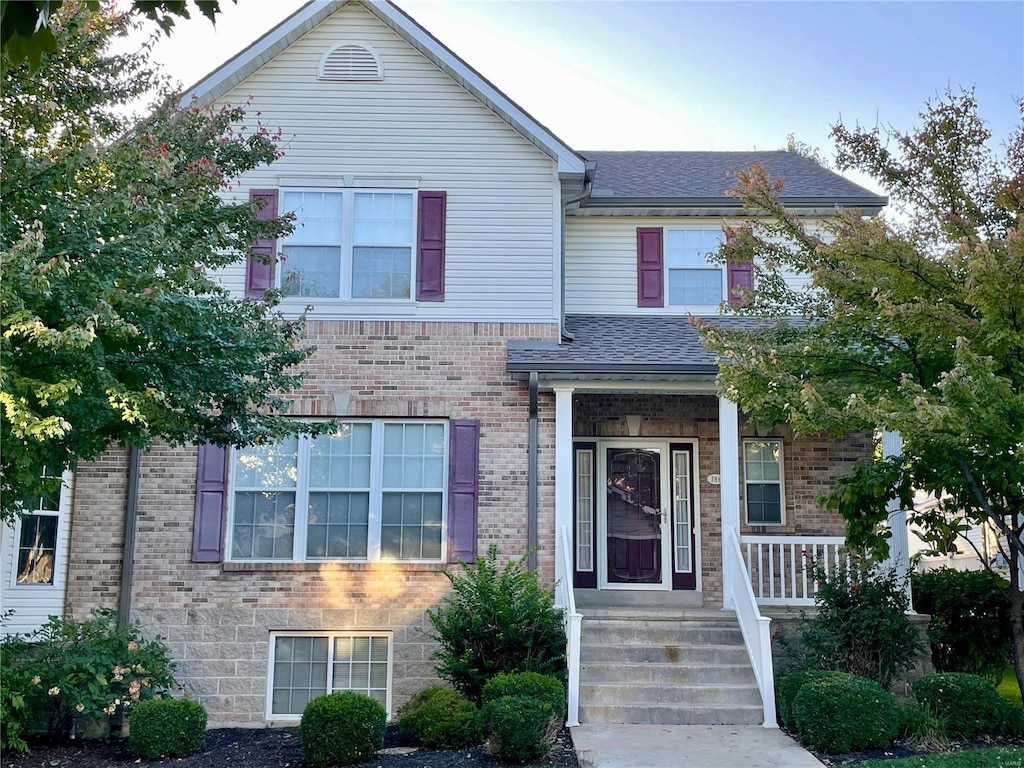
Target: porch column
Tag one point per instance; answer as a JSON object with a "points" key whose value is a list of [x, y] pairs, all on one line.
{"points": [[563, 478], [899, 548], [729, 474]]}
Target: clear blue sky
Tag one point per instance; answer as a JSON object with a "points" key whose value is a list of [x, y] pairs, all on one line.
{"points": [[697, 75]]}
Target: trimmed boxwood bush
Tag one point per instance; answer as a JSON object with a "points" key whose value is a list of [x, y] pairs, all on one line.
{"points": [[520, 728], [167, 728], [968, 705], [845, 713], [342, 728], [531, 685], [788, 686], [440, 718]]}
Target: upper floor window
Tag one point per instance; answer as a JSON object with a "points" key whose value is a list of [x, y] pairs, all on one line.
{"points": [[762, 476], [373, 490], [692, 279], [349, 244]]}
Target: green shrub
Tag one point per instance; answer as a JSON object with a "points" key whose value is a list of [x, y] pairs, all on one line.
{"points": [[520, 728], [531, 685], [496, 620], [342, 728], [70, 672], [440, 718], [970, 620], [919, 726], [15, 681], [968, 705], [167, 728], [845, 713], [861, 625], [788, 686]]}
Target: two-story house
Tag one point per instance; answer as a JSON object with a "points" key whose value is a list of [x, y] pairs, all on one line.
{"points": [[503, 331]]}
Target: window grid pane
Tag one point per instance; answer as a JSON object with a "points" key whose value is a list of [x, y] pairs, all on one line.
{"points": [[300, 673], [584, 510], [762, 471], [37, 549], [353, 491], [695, 286], [361, 664], [311, 271], [681, 494]]}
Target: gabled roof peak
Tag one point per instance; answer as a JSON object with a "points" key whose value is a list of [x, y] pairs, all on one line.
{"points": [[246, 62]]}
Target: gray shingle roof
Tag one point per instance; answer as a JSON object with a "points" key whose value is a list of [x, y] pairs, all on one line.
{"points": [[665, 344], [708, 175]]}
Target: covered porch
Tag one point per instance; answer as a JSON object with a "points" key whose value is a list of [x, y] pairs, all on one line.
{"points": [[652, 503]]}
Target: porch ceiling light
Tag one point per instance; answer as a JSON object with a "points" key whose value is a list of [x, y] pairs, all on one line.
{"points": [[633, 424]]}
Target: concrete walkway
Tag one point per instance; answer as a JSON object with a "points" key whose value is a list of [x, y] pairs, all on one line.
{"points": [[688, 746]]}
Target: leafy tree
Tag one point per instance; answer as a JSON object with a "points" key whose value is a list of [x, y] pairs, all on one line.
{"points": [[113, 328], [915, 323], [26, 31]]}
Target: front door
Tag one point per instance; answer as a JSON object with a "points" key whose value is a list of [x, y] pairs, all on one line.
{"points": [[634, 514]]}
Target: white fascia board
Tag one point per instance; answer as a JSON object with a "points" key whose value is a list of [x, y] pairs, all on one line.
{"points": [[308, 16]]}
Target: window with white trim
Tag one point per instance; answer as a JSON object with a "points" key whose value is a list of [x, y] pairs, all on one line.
{"points": [[762, 477], [306, 665], [373, 490], [35, 560], [348, 243], [693, 280]]}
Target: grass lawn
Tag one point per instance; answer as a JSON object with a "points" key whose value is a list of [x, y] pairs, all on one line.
{"points": [[996, 757], [1008, 687]]}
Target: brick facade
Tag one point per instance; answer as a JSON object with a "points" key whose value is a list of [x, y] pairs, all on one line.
{"points": [[217, 618]]}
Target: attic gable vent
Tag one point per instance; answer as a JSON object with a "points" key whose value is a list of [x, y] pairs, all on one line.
{"points": [[351, 61]]}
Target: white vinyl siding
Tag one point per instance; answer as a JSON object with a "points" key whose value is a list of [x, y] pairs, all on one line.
{"points": [[419, 129], [600, 263], [34, 600]]}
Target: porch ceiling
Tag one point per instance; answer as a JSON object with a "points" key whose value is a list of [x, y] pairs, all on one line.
{"points": [[624, 348]]}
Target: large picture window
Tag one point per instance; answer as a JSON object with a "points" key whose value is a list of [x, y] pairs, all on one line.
{"points": [[692, 279], [373, 490], [348, 244], [304, 666], [762, 475]]}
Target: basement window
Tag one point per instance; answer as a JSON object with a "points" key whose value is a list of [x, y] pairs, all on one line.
{"points": [[348, 62]]}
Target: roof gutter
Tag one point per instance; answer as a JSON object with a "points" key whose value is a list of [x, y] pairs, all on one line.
{"points": [[131, 511], [531, 480], [609, 201], [604, 368], [588, 185]]}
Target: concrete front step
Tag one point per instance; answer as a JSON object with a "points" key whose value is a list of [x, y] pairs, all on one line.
{"points": [[670, 654], [677, 633], [720, 695], [670, 715], [661, 672], [662, 668]]}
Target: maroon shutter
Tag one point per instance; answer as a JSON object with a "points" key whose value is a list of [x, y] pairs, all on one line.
{"points": [[430, 246], [211, 503], [463, 489], [741, 276], [259, 272], [649, 267]]}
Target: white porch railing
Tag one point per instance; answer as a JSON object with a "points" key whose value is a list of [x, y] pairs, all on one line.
{"points": [[566, 600], [757, 636], [779, 567]]}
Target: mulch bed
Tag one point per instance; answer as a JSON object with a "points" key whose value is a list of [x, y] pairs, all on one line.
{"points": [[268, 748]]}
